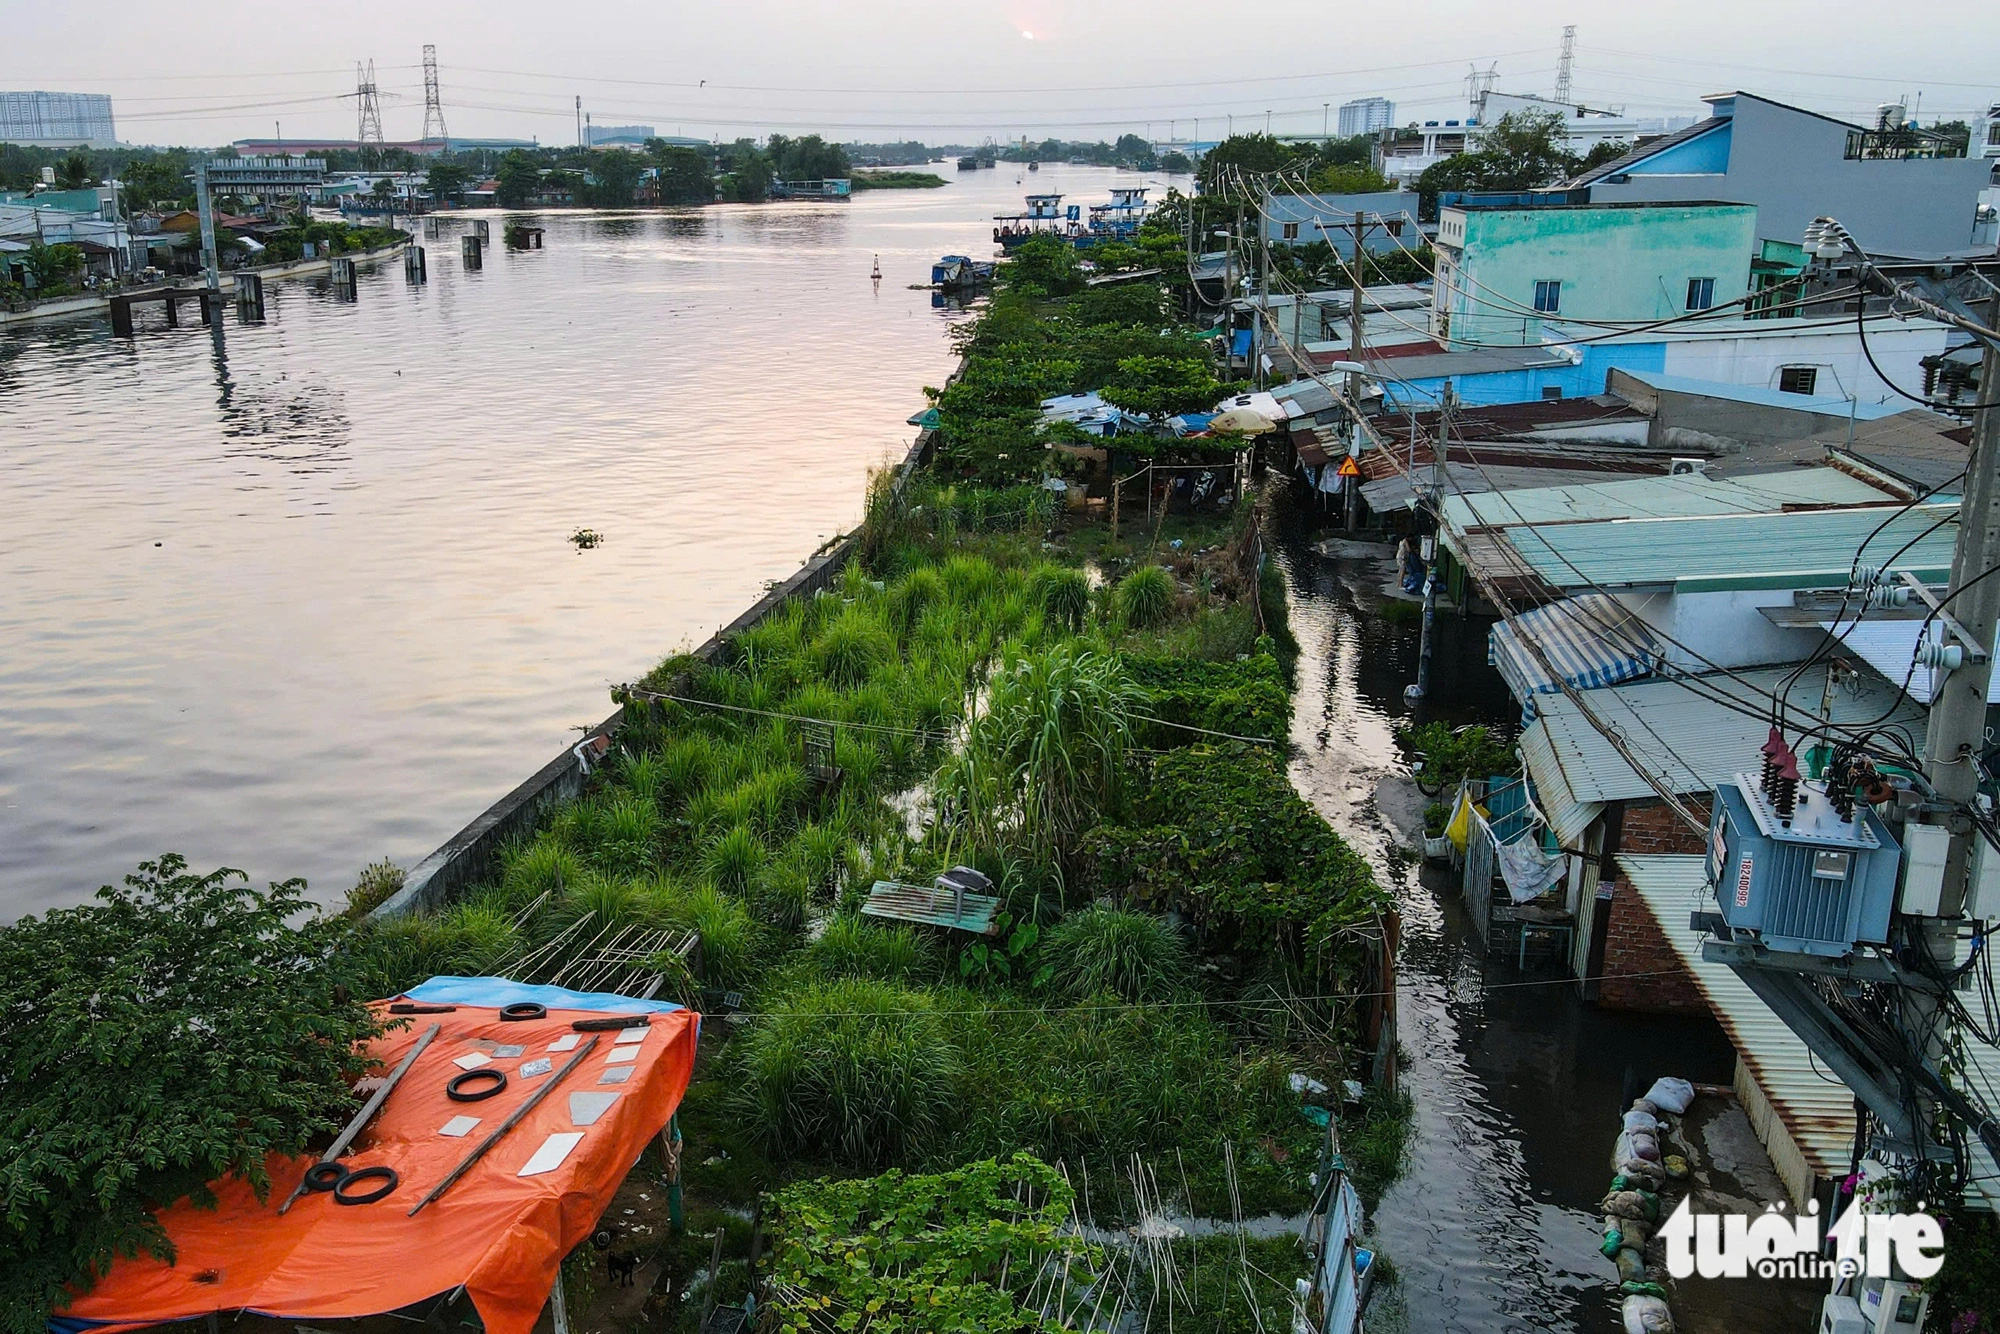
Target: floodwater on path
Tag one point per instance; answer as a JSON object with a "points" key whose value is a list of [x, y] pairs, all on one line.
{"points": [[297, 595], [1518, 1084]]}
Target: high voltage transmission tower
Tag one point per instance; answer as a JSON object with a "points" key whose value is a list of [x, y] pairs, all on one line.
{"points": [[368, 105], [434, 131], [1562, 66]]}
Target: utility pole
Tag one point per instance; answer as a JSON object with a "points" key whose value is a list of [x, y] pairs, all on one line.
{"points": [[1325, 119], [1263, 283], [579, 120], [205, 209], [1354, 380], [368, 106], [1957, 729]]}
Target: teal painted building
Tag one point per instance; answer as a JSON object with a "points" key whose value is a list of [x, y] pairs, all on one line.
{"points": [[1504, 272]]}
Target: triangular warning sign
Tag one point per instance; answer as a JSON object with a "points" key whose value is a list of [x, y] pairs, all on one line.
{"points": [[1348, 468]]}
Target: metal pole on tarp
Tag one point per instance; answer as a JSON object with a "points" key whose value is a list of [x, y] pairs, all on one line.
{"points": [[513, 1119], [366, 1114]]}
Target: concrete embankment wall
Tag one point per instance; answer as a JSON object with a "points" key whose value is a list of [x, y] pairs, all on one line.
{"points": [[98, 305], [468, 855]]}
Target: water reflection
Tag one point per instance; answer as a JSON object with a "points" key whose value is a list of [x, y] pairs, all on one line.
{"points": [[362, 622], [1517, 1083]]}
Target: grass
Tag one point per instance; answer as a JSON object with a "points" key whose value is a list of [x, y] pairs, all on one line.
{"points": [[967, 655], [1133, 956]]}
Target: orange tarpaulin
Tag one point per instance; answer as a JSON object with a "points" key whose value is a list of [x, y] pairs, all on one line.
{"points": [[499, 1234]]}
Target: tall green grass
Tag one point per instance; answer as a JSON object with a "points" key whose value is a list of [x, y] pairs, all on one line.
{"points": [[1133, 956]]}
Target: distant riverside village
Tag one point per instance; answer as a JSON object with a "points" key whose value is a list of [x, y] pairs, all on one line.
{"points": [[946, 943]]}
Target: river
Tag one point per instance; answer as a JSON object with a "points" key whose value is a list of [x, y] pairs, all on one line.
{"points": [[294, 596], [1518, 1084]]}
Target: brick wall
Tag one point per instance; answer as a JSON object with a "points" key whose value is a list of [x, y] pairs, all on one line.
{"points": [[1641, 971]]}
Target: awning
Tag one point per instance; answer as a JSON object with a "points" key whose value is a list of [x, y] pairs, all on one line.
{"points": [[1589, 641], [500, 1232], [928, 419], [1890, 647]]}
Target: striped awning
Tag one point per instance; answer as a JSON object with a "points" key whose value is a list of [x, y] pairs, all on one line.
{"points": [[1589, 641]]}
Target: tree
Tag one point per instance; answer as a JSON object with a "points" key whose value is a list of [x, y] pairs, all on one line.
{"points": [[1522, 151], [684, 176], [446, 180], [1348, 179], [177, 1031], [1044, 266], [54, 268], [1162, 387], [518, 180], [74, 172], [383, 193], [615, 178], [1607, 150], [1247, 154], [1132, 151], [156, 182], [809, 158]]}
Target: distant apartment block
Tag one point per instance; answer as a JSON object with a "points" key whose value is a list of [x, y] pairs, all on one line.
{"points": [[56, 120], [627, 135], [1366, 115]]}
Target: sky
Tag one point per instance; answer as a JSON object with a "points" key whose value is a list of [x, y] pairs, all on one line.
{"points": [[204, 72]]}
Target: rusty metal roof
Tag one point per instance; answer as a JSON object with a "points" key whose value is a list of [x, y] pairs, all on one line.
{"points": [[1817, 1110], [929, 905]]}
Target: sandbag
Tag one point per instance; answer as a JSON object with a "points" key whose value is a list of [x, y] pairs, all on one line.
{"points": [[1671, 1095], [1631, 1266], [1636, 1232], [1614, 1238], [1676, 1166], [1645, 1146], [1638, 1172], [1641, 1105], [1636, 1120], [1646, 1315], [1632, 1204]]}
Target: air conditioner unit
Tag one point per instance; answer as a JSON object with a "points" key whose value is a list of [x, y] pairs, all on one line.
{"points": [[1683, 467], [1841, 1315], [1814, 883]]}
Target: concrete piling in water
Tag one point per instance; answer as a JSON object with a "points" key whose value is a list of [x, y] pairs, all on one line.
{"points": [[482, 230], [250, 296], [414, 267], [469, 250], [344, 288]]}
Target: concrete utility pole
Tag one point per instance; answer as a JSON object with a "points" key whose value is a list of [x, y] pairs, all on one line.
{"points": [[210, 266], [1957, 730], [1355, 383]]}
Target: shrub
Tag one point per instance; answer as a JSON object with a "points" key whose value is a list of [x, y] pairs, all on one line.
{"points": [[1063, 594], [180, 1029], [857, 947], [852, 647], [1246, 698], [858, 1071], [1131, 955], [1452, 755], [1145, 597], [377, 882]]}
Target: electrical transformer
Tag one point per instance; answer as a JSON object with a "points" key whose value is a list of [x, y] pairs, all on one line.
{"points": [[1790, 868]]}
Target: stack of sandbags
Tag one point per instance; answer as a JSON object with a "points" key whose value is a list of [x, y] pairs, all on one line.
{"points": [[1647, 1157]]}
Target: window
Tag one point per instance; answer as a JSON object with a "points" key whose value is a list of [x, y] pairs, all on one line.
{"points": [[1548, 296], [1394, 226], [1701, 293], [1291, 231], [1552, 393], [1797, 379]]}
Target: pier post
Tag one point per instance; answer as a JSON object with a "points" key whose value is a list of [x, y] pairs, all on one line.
{"points": [[482, 230], [210, 305], [173, 310], [469, 250], [121, 317], [343, 278], [414, 265], [250, 296]]}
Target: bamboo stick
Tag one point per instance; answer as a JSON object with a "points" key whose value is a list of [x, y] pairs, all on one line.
{"points": [[513, 1119], [365, 1115]]}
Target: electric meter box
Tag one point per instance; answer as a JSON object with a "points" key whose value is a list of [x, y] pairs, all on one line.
{"points": [[1819, 885]]}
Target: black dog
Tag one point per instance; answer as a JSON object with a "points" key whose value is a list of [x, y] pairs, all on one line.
{"points": [[621, 1265]]}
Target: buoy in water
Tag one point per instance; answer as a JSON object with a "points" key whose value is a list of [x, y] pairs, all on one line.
{"points": [[876, 272]]}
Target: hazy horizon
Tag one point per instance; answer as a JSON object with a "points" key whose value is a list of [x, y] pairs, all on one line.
{"points": [[878, 70]]}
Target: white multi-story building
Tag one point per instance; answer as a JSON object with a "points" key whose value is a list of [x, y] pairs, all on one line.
{"points": [[1421, 146], [56, 120], [1366, 115]]}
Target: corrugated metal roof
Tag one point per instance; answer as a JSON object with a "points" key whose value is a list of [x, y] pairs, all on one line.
{"points": [[1568, 817], [1690, 741], [1757, 394], [929, 905], [1590, 642], [1817, 1110], [1665, 497], [1890, 646], [1395, 491], [1806, 549]]}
